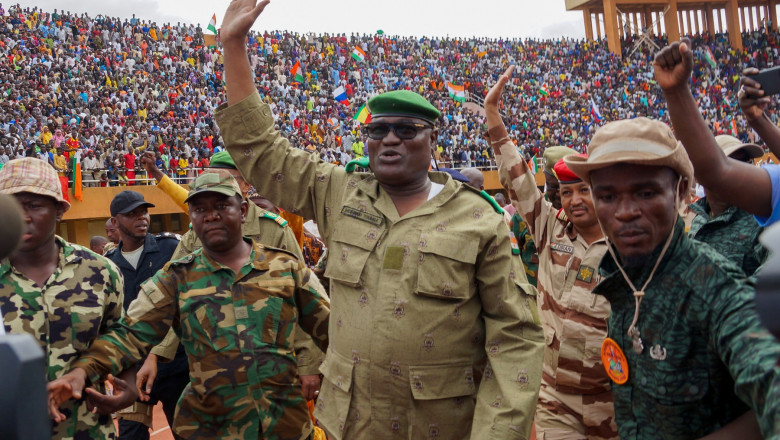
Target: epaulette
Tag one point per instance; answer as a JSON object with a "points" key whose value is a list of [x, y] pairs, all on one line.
{"points": [[561, 215], [360, 162], [485, 196], [275, 217], [185, 259], [168, 235], [276, 249]]}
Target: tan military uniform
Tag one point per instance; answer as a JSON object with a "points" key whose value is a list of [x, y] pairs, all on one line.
{"points": [[575, 401], [419, 302]]}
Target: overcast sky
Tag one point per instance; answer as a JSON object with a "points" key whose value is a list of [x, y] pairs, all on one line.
{"points": [[491, 18]]}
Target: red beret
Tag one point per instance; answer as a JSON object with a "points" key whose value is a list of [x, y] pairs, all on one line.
{"points": [[564, 174]]}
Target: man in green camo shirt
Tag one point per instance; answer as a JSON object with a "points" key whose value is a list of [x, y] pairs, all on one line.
{"points": [[697, 361], [235, 305]]}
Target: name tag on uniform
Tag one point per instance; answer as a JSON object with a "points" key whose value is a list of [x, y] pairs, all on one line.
{"points": [[562, 248], [361, 215]]}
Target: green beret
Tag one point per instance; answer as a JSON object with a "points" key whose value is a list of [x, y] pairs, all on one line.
{"points": [[403, 103], [552, 155], [222, 160]]}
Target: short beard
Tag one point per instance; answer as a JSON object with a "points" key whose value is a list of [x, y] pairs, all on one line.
{"points": [[129, 233], [634, 261]]}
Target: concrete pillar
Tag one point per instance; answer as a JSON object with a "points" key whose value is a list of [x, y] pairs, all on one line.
{"points": [[751, 17], [611, 26], [720, 21], [732, 23], [659, 21], [672, 22], [773, 13], [599, 17], [743, 19], [646, 22], [709, 23], [588, 24]]}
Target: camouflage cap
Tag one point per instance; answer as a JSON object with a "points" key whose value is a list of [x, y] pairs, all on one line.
{"points": [[639, 141], [552, 155], [33, 176], [403, 103], [730, 145], [221, 183], [222, 160]]}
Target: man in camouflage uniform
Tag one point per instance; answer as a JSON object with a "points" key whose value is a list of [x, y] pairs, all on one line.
{"points": [[729, 230], [552, 194], [62, 294], [575, 401], [266, 228], [422, 276], [235, 305], [696, 356]]}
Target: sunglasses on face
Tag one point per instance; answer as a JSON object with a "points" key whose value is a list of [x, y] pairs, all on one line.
{"points": [[404, 130]]}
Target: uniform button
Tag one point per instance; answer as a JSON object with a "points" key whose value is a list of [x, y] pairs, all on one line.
{"points": [[643, 381], [662, 390], [694, 389]]}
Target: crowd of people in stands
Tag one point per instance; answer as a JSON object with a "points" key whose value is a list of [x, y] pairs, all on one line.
{"points": [[115, 87]]}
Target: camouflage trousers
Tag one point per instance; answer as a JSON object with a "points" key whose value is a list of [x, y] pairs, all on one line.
{"points": [[562, 416]]}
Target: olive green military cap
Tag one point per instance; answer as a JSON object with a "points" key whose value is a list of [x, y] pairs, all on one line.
{"points": [[552, 155], [222, 160], [214, 182], [403, 103]]}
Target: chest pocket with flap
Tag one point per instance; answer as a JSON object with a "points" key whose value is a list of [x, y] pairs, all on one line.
{"points": [[446, 268], [349, 250]]}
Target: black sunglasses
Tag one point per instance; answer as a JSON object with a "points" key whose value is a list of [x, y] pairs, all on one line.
{"points": [[404, 130]]}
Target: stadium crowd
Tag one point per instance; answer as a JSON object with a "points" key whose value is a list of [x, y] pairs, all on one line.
{"points": [[118, 86]]}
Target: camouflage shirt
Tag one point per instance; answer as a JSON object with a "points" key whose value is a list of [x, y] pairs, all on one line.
{"points": [[734, 233], [236, 330], [705, 352], [79, 302], [574, 320]]}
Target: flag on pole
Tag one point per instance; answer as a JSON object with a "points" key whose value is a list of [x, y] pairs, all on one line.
{"points": [[212, 24], [533, 164], [340, 95], [358, 54], [363, 115], [734, 131], [77, 176], [709, 57], [457, 93], [594, 111], [544, 91], [297, 72]]}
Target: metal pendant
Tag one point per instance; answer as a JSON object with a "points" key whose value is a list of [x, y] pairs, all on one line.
{"points": [[636, 341]]}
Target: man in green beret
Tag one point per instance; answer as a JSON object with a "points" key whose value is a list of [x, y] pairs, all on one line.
{"points": [[236, 305], [427, 294]]}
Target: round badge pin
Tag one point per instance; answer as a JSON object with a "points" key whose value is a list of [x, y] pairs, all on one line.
{"points": [[615, 362]]}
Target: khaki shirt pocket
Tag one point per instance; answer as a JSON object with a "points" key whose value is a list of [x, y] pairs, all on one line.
{"points": [[446, 268], [333, 404], [347, 256]]}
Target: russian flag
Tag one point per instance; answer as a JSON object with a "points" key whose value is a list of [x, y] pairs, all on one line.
{"points": [[594, 111], [340, 95]]}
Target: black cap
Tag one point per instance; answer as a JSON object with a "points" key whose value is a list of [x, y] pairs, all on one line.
{"points": [[127, 201], [455, 174]]}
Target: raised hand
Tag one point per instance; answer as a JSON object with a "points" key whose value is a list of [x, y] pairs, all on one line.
{"points": [[494, 95], [239, 18], [673, 65], [751, 98]]}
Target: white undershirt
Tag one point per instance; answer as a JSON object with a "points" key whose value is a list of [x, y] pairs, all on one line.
{"points": [[132, 257], [435, 190]]}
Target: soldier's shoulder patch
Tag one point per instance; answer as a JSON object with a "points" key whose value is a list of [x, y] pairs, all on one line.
{"points": [[275, 217], [585, 273], [168, 236], [561, 215], [189, 258]]}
